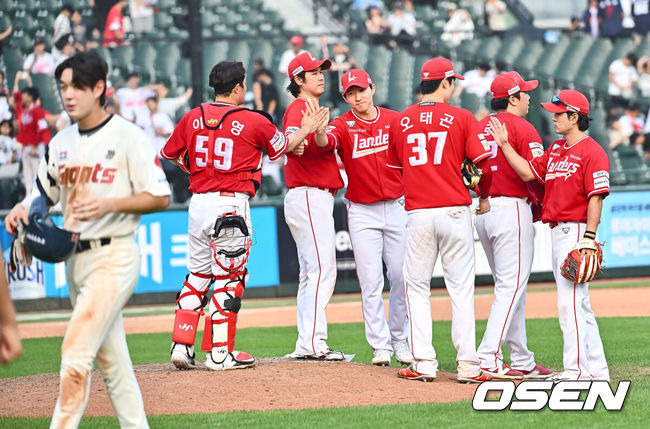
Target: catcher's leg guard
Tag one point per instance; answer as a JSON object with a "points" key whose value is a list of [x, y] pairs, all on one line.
{"points": [[186, 320], [221, 328]]}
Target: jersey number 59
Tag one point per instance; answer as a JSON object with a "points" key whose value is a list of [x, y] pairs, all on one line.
{"points": [[222, 153], [420, 140]]}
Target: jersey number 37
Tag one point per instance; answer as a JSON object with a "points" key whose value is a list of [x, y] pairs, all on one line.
{"points": [[222, 159], [419, 149]]}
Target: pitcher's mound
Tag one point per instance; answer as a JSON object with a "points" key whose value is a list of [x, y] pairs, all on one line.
{"points": [[274, 383]]}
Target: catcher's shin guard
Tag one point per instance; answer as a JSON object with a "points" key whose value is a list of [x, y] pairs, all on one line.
{"points": [[186, 320], [221, 327]]}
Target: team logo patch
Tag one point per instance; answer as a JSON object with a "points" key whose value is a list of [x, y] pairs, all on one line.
{"points": [[556, 146], [278, 141], [536, 149], [351, 123], [110, 154], [565, 230], [63, 155], [329, 128]]}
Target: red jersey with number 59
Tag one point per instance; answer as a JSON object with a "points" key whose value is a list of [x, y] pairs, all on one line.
{"points": [[429, 141], [237, 147], [571, 175], [362, 146]]}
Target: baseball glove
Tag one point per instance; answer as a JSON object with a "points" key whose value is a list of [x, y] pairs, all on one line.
{"points": [[581, 268], [20, 254], [471, 174], [183, 161]]}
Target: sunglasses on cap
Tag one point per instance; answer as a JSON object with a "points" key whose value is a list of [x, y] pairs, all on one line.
{"points": [[556, 100]]}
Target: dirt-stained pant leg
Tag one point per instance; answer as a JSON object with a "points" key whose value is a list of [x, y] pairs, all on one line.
{"points": [[419, 261], [100, 281]]}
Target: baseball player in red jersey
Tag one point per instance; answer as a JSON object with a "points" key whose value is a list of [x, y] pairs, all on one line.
{"points": [[376, 216], [575, 174], [104, 173], [506, 232], [429, 142], [220, 144], [313, 179]]}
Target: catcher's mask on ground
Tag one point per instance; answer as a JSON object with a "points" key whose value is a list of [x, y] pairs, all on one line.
{"points": [[44, 239], [230, 242]]}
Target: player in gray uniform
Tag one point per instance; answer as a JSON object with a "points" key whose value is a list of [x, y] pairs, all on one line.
{"points": [[105, 174]]}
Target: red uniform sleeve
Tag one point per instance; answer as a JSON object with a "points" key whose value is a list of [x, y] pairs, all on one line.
{"points": [[596, 177], [177, 142], [486, 178], [335, 135], [538, 165], [293, 119], [475, 150], [275, 143], [392, 158], [530, 142], [43, 129]]}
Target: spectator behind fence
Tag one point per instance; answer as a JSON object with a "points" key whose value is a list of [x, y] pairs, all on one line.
{"points": [[64, 48], [170, 105], [477, 81], [39, 61], [5, 106], [610, 16], [402, 26], [643, 68], [8, 143], [265, 93], [458, 27], [159, 126], [495, 15], [622, 78], [33, 131], [376, 25], [114, 31], [131, 98], [591, 19], [641, 14], [10, 188], [141, 13], [297, 43], [62, 24], [342, 62], [626, 129]]}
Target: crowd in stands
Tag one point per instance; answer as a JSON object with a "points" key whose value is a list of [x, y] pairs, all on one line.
{"points": [[25, 126]]}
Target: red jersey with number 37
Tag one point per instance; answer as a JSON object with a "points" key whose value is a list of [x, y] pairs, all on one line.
{"points": [[362, 146], [525, 140], [429, 141], [317, 166], [571, 175], [238, 145]]}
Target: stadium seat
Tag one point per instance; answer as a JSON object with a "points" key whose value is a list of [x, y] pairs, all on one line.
{"points": [[379, 60], [578, 48], [594, 62], [510, 49], [526, 60], [400, 85], [53, 7], [13, 61], [470, 102], [23, 20], [632, 164], [488, 47], [183, 73], [122, 59], [49, 92], [167, 55], [548, 62]]}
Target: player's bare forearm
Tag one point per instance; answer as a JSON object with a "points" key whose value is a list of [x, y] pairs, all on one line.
{"points": [[294, 139], [594, 210], [93, 208], [320, 138], [518, 163]]}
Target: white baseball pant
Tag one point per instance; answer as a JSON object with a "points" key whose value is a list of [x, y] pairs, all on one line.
{"points": [[101, 281], [377, 232], [507, 235], [448, 232], [203, 211], [30, 165], [584, 356], [308, 213]]}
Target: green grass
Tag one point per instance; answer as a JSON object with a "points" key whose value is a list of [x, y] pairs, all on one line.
{"points": [[625, 339]]}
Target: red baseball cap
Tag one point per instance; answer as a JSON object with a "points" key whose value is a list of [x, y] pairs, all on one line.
{"points": [[438, 68], [306, 62], [510, 83], [568, 100], [296, 39], [355, 77]]}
